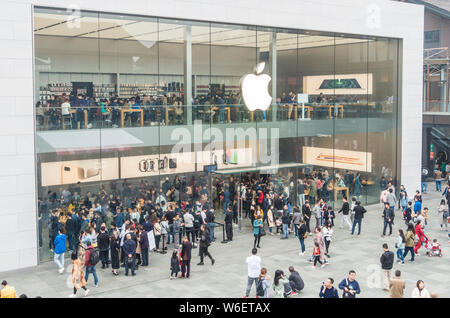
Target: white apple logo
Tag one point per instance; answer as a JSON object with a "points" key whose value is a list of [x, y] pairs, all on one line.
{"points": [[254, 89]]}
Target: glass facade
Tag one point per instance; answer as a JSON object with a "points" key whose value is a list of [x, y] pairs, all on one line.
{"points": [[114, 94]]}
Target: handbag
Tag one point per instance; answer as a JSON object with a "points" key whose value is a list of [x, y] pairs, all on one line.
{"points": [[262, 232]]}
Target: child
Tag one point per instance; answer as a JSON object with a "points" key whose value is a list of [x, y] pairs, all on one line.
{"points": [[329, 216], [316, 255], [174, 265], [443, 214], [278, 225], [436, 248]]}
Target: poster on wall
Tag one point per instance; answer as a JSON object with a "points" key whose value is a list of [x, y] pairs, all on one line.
{"points": [[225, 159], [339, 159], [338, 84], [154, 165], [68, 172]]}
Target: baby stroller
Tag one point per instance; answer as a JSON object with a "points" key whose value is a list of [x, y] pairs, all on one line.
{"points": [[433, 248]]}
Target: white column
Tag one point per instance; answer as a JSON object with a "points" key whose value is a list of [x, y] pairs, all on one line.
{"points": [[273, 64], [188, 72]]}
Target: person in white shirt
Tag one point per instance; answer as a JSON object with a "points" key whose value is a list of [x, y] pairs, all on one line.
{"points": [[254, 269], [420, 291], [65, 108]]}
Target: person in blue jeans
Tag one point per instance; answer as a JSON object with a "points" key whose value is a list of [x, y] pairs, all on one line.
{"points": [[400, 247], [301, 235], [60, 249], [286, 220], [359, 214], [90, 267]]}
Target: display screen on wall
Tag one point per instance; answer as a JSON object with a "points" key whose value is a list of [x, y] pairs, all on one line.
{"points": [[339, 159], [226, 159], [68, 172], [344, 84]]}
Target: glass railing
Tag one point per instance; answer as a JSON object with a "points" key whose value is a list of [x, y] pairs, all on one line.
{"points": [[436, 106], [87, 117]]}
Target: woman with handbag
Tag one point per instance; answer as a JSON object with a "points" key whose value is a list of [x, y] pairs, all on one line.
{"points": [[258, 231]]}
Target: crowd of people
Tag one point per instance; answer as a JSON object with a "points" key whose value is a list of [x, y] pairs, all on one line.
{"points": [[120, 227]]}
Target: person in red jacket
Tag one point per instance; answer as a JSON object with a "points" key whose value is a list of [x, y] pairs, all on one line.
{"points": [[421, 235]]}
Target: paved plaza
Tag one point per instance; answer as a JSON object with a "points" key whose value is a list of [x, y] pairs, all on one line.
{"points": [[228, 277]]}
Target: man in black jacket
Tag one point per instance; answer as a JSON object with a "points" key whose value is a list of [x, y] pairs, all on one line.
{"points": [[345, 212], [103, 246], [359, 215], [229, 223], [388, 216], [306, 210], [387, 261], [295, 281], [129, 250], [186, 249], [285, 219], [70, 230], [204, 239]]}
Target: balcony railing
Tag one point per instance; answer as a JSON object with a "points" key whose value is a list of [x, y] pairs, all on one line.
{"points": [[57, 118]]}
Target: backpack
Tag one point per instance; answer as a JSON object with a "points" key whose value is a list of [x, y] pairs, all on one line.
{"points": [[95, 258], [259, 288]]}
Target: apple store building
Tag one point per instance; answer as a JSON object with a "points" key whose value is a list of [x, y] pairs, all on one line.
{"points": [[120, 103]]}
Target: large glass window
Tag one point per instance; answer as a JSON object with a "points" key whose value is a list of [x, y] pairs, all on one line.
{"points": [[116, 94]]}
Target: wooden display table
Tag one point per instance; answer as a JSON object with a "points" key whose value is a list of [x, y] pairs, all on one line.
{"points": [[337, 189], [330, 109], [228, 109], [131, 110], [74, 111]]}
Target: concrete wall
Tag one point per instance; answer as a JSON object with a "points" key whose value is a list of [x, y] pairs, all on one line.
{"points": [[18, 237]]}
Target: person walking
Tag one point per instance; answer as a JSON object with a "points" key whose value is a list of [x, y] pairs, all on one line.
{"points": [[443, 215], [295, 281], [279, 281], [397, 286], [345, 209], [129, 249], [302, 235], [60, 249], [204, 238], [387, 218], [350, 286], [77, 276], [409, 242], [420, 291], [400, 245], [422, 237], [257, 231], [327, 290], [306, 211], [359, 215], [115, 258], [270, 220], [91, 258], [253, 269], [186, 248], [387, 261], [327, 232], [229, 223], [103, 246]]}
